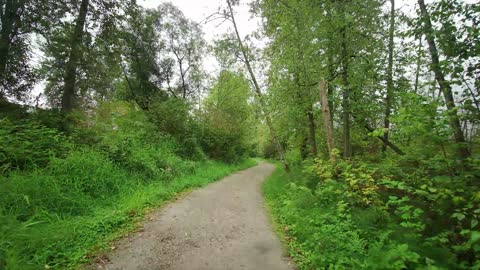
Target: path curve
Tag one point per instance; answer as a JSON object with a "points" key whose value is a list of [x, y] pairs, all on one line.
{"points": [[222, 226]]}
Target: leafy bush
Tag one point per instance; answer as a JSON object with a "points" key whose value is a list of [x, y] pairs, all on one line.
{"points": [[354, 215]]}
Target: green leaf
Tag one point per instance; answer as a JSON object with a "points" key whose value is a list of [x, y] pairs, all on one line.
{"points": [[475, 237], [458, 216]]}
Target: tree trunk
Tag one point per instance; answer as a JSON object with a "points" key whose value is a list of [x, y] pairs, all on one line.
{"points": [[385, 141], [445, 87], [311, 133], [347, 151], [419, 64], [263, 105], [326, 119], [68, 98], [331, 68], [182, 76], [8, 17], [330, 89], [389, 97]]}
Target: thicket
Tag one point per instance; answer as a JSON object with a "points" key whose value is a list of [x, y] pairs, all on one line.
{"points": [[378, 214]]}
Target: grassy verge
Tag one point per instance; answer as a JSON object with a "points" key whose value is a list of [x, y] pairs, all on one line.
{"points": [[275, 190], [48, 240]]}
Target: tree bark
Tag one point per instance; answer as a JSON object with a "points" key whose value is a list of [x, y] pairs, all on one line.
{"points": [[389, 97], [311, 133], [419, 63], [68, 98], [347, 151], [326, 119], [331, 68], [9, 15], [330, 89], [263, 105], [445, 87]]}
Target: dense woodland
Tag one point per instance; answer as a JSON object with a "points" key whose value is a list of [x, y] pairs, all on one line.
{"points": [[371, 112]]}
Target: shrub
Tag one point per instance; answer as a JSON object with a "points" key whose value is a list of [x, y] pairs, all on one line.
{"points": [[353, 215]]}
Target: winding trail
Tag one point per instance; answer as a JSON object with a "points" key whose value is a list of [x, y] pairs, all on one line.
{"points": [[222, 226]]}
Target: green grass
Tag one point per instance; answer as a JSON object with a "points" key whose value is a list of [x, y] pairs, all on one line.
{"points": [[48, 223], [275, 191]]}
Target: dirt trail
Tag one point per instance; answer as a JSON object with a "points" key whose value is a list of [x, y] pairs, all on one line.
{"points": [[222, 226]]}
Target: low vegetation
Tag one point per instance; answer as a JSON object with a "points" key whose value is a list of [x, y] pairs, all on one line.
{"points": [[63, 197], [376, 215]]}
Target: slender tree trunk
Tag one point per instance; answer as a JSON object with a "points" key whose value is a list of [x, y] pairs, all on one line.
{"points": [[445, 87], [419, 64], [264, 108], [347, 151], [311, 133], [182, 76], [330, 88], [306, 91], [68, 98], [326, 119], [331, 67], [386, 142], [389, 97], [9, 15]]}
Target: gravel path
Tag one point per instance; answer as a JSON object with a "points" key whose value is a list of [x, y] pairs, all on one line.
{"points": [[222, 226]]}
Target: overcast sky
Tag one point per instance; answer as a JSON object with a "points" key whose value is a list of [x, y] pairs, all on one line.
{"points": [[198, 10]]}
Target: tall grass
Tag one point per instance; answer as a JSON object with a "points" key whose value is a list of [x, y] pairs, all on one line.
{"points": [[56, 217]]}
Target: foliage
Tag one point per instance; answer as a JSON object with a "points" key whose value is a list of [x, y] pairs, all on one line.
{"points": [[375, 216], [29, 144], [136, 125], [227, 118], [61, 201]]}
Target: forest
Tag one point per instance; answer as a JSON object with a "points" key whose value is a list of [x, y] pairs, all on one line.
{"points": [[370, 111]]}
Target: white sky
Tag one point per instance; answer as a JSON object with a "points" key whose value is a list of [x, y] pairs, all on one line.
{"points": [[198, 10]]}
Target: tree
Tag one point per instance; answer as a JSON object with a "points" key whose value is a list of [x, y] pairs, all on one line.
{"points": [[390, 93], [19, 19], [68, 98], [185, 46], [227, 115], [444, 85], [285, 25], [144, 72], [246, 59], [82, 53]]}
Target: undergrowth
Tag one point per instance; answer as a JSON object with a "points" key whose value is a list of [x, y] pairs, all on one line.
{"points": [[65, 195], [356, 215]]}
